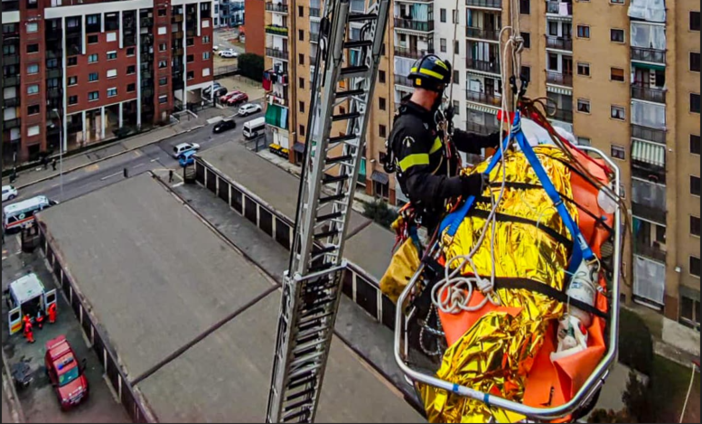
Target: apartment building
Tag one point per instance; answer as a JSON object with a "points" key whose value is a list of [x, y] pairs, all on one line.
{"points": [[78, 73], [255, 40], [623, 74]]}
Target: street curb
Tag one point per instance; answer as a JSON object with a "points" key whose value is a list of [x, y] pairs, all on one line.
{"points": [[12, 398], [41, 180]]}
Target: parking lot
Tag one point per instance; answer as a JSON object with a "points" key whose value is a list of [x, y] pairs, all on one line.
{"points": [[38, 401]]}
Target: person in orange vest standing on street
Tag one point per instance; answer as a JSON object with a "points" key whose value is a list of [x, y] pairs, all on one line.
{"points": [[28, 333], [51, 311], [25, 320]]}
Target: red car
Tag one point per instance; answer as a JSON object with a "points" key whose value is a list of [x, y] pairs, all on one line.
{"points": [[237, 99], [66, 374], [229, 95]]}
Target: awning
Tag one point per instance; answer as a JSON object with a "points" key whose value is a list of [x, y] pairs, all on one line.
{"points": [[299, 147], [380, 177], [559, 90], [653, 154], [276, 116], [481, 108], [646, 65]]}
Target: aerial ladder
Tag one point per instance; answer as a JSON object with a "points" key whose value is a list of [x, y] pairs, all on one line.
{"points": [[345, 73]]}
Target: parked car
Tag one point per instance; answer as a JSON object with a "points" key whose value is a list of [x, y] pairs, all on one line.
{"points": [[229, 95], [184, 147], [8, 193], [67, 376], [238, 99], [224, 125], [228, 53], [187, 158], [249, 108], [208, 90]]}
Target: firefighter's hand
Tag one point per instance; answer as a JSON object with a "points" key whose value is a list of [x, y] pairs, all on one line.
{"points": [[474, 185], [495, 140]]}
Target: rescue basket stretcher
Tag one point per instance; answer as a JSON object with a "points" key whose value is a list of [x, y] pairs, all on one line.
{"points": [[406, 316]]}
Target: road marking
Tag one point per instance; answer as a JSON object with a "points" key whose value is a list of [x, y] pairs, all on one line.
{"points": [[111, 175], [154, 160], [177, 184]]}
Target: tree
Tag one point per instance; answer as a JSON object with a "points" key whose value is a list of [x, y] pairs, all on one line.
{"points": [[638, 405], [635, 344], [251, 66], [380, 212]]}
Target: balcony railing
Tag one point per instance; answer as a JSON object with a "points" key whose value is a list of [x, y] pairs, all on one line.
{"points": [[485, 98], [315, 12], [648, 172], [176, 18], [648, 134], [276, 53], [483, 65], [559, 78], [277, 7], [414, 25], [560, 43], [11, 102], [11, 81], [403, 80], [554, 7], [648, 55], [493, 4], [11, 59], [484, 129], [648, 93], [650, 213], [411, 53], [484, 34], [277, 30], [563, 115], [54, 73], [313, 60], [652, 252], [11, 123], [314, 37]]}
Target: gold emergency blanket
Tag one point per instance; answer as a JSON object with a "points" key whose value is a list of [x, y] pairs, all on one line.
{"points": [[497, 352]]}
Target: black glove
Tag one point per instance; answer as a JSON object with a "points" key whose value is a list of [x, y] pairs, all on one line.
{"points": [[495, 139], [469, 185]]}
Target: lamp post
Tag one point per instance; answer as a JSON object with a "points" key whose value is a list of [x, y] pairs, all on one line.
{"points": [[60, 151]]}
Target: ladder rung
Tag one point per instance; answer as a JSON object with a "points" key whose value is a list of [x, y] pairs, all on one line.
{"points": [[299, 394], [305, 359], [301, 382], [329, 179], [308, 345], [349, 93], [340, 138], [297, 405], [332, 198], [308, 370], [328, 249], [296, 415], [358, 43], [326, 234], [338, 159], [305, 319], [322, 267], [356, 17], [353, 71], [345, 116]]}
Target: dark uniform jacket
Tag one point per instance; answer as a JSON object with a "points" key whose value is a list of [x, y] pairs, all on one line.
{"points": [[424, 171]]}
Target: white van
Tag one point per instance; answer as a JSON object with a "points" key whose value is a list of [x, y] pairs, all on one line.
{"points": [[26, 296], [253, 127], [21, 214]]}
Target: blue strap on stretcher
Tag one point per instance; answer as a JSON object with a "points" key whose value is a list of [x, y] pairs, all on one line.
{"points": [[581, 249]]}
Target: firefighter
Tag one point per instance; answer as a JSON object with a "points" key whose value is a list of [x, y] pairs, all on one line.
{"points": [[51, 311], [428, 168], [28, 332], [40, 319]]}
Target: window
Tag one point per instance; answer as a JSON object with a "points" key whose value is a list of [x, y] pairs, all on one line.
{"points": [[93, 95], [456, 77], [206, 72], [381, 77], [130, 51], [190, 42], [456, 46], [617, 74], [163, 81], [695, 266], [618, 112], [584, 141], [301, 83], [32, 27], [72, 100], [92, 58], [381, 103], [301, 130], [111, 37], [618, 152], [583, 31], [382, 131], [524, 7], [527, 40], [32, 48], [111, 92], [694, 21], [442, 43], [92, 39], [206, 39], [694, 102], [301, 35], [72, 61], [32, 4], [162, 11], [616, 1], [72, 80], [131, 69], [92, 19], [617, 35], [584, 105], [526, 73], [442, 13], [694, 144], [302, 107], [33, 68], [552, 62], [162, 47], [33, 89], [32, 131], [695, 226], [584, 69], [111, 55], [33, 109], [131, 88], [301, 59], [163, 99], [300, 11], [694, 62], [190, 58], [694, 185], [206, 56], [454, 16], [190, 75], [162, 64], [690, 312], [93, 76]]}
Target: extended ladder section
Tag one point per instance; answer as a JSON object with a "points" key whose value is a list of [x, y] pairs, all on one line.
{"points": [[345, 77]]}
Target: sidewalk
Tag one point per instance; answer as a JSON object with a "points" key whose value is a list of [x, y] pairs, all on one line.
{"points": [[187, 123]]}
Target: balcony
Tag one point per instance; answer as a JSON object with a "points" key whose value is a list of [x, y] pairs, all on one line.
{"points": [[277, 30], [11, 59], [554, 7], [650, 251], [279, 7], [315, 12], [648, 55], [11, 81], [563, 115], [491, 4], [647, 171], [648, 134], [411, 53], [11, 123], [414, 25], [648, 93], [403, 80], [559, 43], [559, 78], [485, 98], [276, 53], [54, 92], [11, 102], [483, 65], [482, 129], [651, 213], [314, 37], [54, 73], [483, 34]]}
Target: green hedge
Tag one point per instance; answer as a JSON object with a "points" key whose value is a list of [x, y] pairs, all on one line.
{"points": [[635, 343], [380, 212], [251, 66]]}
